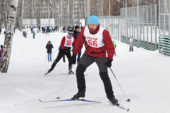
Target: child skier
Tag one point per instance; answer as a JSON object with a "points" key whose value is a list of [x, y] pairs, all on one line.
{"points": [[66, 44]]}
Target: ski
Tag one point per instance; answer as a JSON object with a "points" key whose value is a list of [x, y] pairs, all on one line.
{"points": [[66, 74], [46, 73], [71, 74], [82, 100], [120, 106]]}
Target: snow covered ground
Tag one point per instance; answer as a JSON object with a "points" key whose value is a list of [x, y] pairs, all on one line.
{"points": [[144, 76]]}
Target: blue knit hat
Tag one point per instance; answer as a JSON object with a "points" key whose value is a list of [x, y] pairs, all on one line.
{"points": [[93, 20]]}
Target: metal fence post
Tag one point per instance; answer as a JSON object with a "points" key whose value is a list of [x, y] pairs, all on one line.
{"points": [[155, 27]]}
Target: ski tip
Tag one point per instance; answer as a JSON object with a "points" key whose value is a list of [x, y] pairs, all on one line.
{"points": [[46, 73], [128, 110], [40, 100]]}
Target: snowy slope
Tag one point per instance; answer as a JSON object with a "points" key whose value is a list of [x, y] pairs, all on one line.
{"points": [[144, 76]]}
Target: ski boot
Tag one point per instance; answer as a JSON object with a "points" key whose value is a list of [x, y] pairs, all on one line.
{"points": [[70, 71], [78, 95], [113, 100]]}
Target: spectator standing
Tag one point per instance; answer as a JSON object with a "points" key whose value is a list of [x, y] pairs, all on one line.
{"points": [[49, 47]]}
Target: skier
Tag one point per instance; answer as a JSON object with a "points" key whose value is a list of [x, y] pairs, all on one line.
{"points": [[49, 47], [131, 44], [75, 34], [64, 29], [58, 28], [47, 31], [114, 46], [43, 29], [31, 29], [97, 41], [33, 33], [14, 30], [24, 34], [1, 51], [66, 44]]}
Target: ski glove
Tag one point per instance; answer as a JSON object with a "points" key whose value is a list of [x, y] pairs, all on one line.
{"points": [[108, 63], [59, 48], [73, 59]]}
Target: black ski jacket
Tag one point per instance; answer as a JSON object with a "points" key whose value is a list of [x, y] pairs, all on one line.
{"points": [[75, 34], [49, 48]]}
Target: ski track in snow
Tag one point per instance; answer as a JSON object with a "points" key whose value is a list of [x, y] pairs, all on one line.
{"points": [[143, 75]]}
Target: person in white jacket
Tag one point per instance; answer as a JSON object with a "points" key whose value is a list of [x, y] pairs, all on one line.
{"points": [[131, 44]]}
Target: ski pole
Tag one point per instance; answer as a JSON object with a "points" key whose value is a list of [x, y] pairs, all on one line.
{"points": [[63, 87], [128, 100]]}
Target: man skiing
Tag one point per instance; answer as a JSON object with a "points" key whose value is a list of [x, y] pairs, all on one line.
{"points": [[66, 44], [97, 41]]}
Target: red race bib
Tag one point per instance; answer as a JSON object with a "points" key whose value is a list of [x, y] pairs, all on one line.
{"points": [[92, 41]]}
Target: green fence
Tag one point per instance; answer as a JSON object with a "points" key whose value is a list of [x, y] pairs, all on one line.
{"points": [[164, 45]]}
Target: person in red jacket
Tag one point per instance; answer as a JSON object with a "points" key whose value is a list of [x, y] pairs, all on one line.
{"points": [[66, 44], [97, 41]]}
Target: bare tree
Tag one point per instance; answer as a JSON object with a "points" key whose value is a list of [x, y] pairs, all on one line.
{"points": [[11, 18]]}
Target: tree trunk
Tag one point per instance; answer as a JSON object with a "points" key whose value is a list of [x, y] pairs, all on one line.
{"points": [[9, 35]]}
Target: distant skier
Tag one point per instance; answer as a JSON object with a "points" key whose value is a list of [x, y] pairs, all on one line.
{"points": [[24, 34], [1, 51], [75, 35], [33, 33], [97, 42], [64, 29], [58, 28], [14, 30], [47, 31], [31, 29], [49, 47], [66, 44], [131, 44], [114, 46], [43, 29]]}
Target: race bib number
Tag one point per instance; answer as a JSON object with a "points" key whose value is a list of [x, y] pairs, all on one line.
{"points": [[131, 40], [68, 42], [92, 41]]}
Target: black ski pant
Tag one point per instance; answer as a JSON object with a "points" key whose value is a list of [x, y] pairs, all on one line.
{"points": [[59, 56], [131, 49], [85, 62]]}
